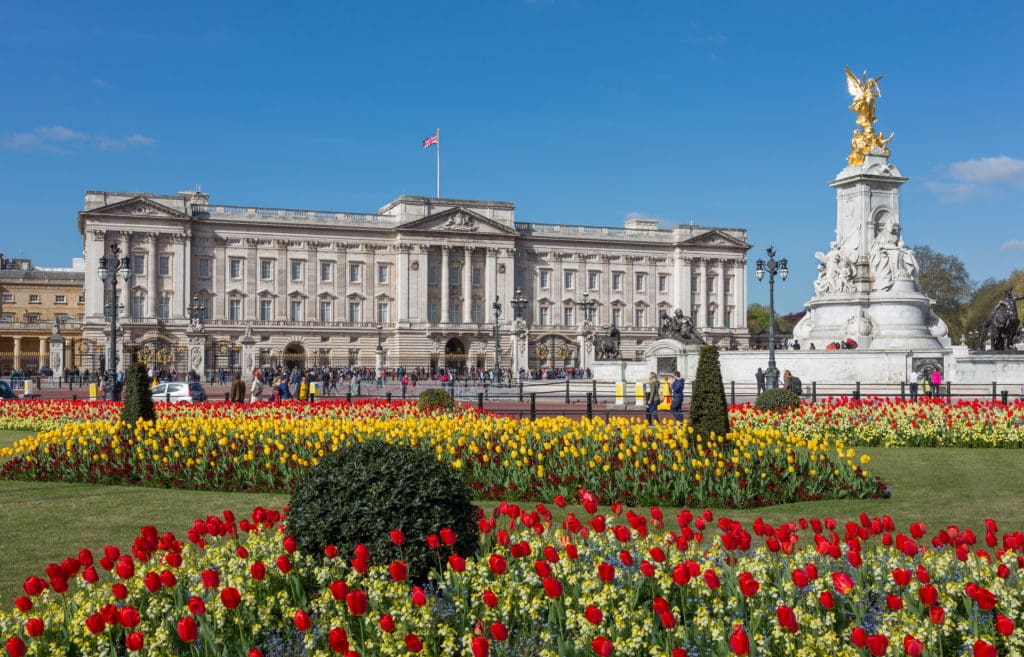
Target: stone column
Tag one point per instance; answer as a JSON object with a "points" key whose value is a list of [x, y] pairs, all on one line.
{"points": [[151, 275], [520, 348], [605, 310], [17, 353], [44, 351], [186, 297], [312, 276], [445, 288], [687, 302], [402, 294], [370, 282], [181, 293], [702, 320], [252, 281], [467, 285], [679, 285], [720, 315], [739, 293], [491, 277], [341, 282], [281, 302], [94, 287], [422, 262], [248, 351]]}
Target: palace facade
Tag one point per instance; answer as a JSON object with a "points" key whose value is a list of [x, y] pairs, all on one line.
{"points": [[413, 284]]}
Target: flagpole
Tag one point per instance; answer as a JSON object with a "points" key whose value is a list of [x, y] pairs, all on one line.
{"points": [[438, 145]]}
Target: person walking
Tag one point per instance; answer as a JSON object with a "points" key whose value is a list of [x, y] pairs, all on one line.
{"points": [[676, 389], [256, 387], [913, 378], [759, 377], [652, 396], [237, 388]]}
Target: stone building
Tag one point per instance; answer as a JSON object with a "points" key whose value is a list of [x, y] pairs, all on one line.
{"points": [[413, 284], [32, 299]]}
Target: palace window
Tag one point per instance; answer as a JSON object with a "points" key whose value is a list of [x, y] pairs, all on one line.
{"points": [[662, 282], [568, 317], [354, 311], [616, 316], [326, 272], [163, 308], [355, 271], [60, 298], [593, 278], [570, 279], [640, 317], [139, 265], [296, 270], [138, 309], [617, 281], [545, 315], [33, 298], [266, 310], [545, 279], [8, 297], [711, 316], [235, 268], [165, 265], [476, 276], [295, 310], [432, 275], [266, 269], [432, 312], [454, 275], [382, 312], [641, 279], [382, 274], [235, 310], [205, 267]]}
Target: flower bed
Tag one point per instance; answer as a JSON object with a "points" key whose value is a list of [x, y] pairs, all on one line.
{"points": [[266, 448], [886, 422], [620, 584]]}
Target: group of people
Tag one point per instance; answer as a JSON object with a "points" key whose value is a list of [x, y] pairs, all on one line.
{"points": [[931, 383], [653, 399]]}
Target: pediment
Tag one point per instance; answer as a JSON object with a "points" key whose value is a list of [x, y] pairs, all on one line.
{"points": [[457, 220], [139, 206], [716, 238]]}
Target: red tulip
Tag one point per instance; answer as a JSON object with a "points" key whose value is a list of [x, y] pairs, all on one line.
{"points": [[826, 600], [1004, 625], [498, 564], [23, 603], [490, 599], [167, 578], [787, 619], [738, 641], [15, 647], [842, 582], [432, 542], [498, 631], [678, 652], [594, 615], [800, 578], [284, 564], [338, 589], [398, 571], [230, 597], [748, 585], [337, 639], [668, 619], [119, 591], [456, 563], [983, 648], [859, 637], [125, 567], [289, 544], [357, 602], [196, 605], [711, 579], [646, 568], [878, 644], [331, 551], [602, 646], [34, 627], [387, 623], [542, 568], [129, 617], [419, 596], [302, 621], [560, 501], [447, 536], [187, 630], [480, 646], [95, 623], [901, 576], [605, 571], [929, 595], [552, 587], [894, 602], [361, 552], [211, 578], [397, 537], [937, 614], [413, 643], [134, 641], [913, 647], [258, 570]]}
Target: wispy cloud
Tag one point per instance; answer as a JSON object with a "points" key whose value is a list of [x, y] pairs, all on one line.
{"points": [[100, 83], [1013, 245], [972, 178], [60, 139]]}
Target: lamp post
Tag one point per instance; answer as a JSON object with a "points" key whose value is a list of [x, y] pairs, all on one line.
{"points": [[771, 375], [497, 344], [109, 267], [194, 312], [518, 304], [588, 308]]}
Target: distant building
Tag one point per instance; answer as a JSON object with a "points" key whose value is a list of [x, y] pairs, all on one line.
{"points": [[418, 277], [32, 298]]}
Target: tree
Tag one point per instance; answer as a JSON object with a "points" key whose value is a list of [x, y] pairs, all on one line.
{"points": [[138, 397], [708, 411], [944, 278], [757, 320]]}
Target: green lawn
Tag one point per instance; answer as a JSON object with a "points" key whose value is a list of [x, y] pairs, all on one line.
{"points": [[44, 522]]}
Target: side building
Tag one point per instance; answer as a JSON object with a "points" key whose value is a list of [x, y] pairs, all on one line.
{"points": [[39, 307], [411, 285]]}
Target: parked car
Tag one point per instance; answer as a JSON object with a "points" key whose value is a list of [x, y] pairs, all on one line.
{"points": [[6, 392], [179, 391]]}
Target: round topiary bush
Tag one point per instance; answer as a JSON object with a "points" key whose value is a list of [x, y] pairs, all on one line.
{"points": [[777, 399], [435, 398], [360, 493]]}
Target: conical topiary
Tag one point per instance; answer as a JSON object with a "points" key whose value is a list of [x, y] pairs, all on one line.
{"points": [[138, 397], [708, 411]]}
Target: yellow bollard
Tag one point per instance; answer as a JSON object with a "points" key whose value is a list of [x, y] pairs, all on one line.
{"points": [[303, 391], [640, 399], [620, 394], [666, 396], [92, 392]]}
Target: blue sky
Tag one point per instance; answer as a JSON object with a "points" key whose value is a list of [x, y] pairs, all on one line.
{"points": [[727, 114]]}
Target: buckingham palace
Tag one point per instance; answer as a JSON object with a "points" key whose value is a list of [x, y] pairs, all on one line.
{"points": [[421, 282]]}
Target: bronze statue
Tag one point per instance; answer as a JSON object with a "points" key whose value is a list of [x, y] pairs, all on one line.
{"points": [[606, 347], [679, 327], [1003, 324]]}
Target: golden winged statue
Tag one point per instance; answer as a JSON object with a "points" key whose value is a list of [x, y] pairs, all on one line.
{"points": [[864, 91]]}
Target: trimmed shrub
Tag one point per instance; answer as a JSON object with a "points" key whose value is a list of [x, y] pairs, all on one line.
{"points": [[360, 493], [708, 411], [777, 399], [138, 396], [435, 398]]}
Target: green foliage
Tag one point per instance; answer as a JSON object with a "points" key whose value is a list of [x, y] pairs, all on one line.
{"points": [[709, 412], [777, 399], [361, 492], [944, 278], [985, 297], [757, 320], [138, 397], [435, 398]]}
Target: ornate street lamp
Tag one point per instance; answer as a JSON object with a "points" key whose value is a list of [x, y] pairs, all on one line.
{"points": [[497, 344], [109, 266], [588, 307], [519, 305], [194, 312], [771, 376]]}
